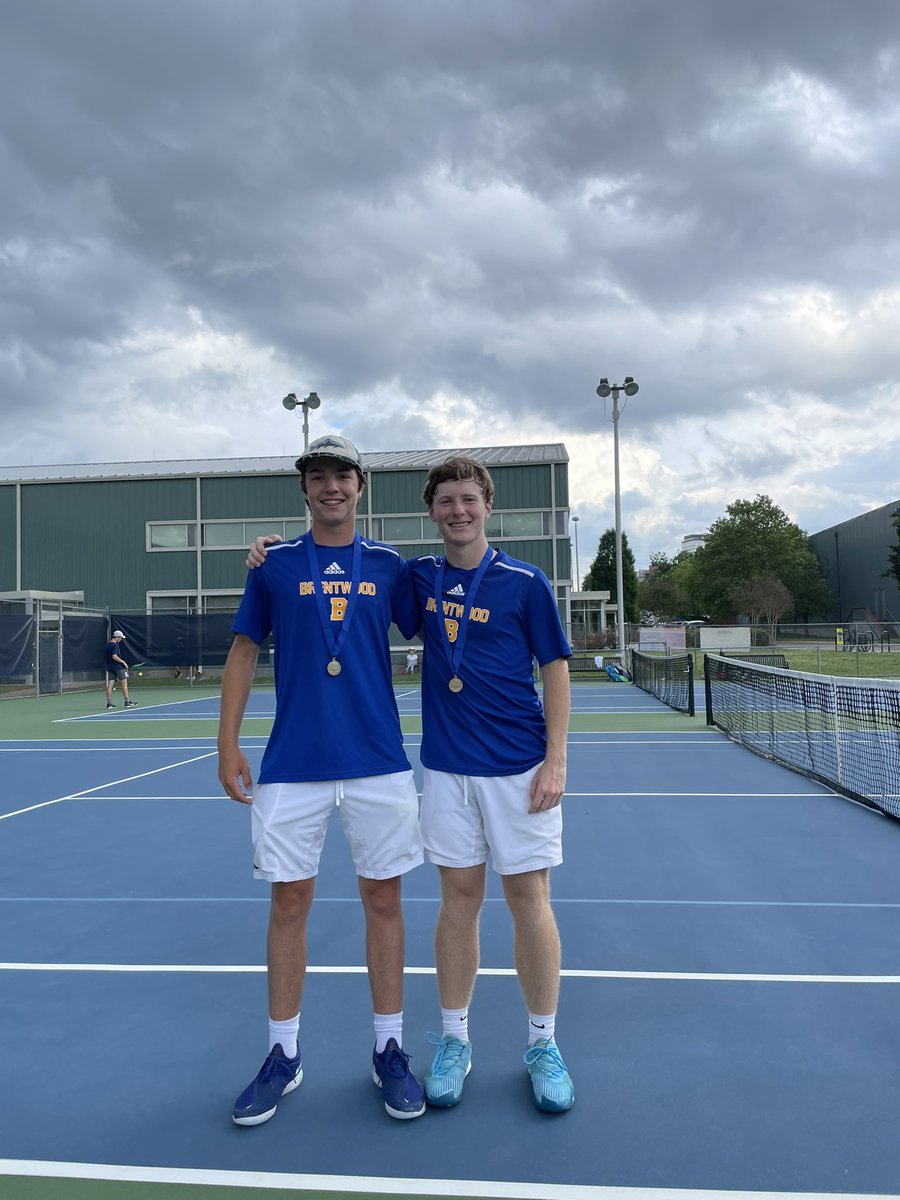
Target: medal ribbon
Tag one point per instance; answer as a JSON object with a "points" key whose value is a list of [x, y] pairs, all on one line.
{"points": [[333, 643], [454, 650]]}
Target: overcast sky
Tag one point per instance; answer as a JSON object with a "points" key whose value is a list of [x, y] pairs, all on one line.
{"points": [[450, 220]]}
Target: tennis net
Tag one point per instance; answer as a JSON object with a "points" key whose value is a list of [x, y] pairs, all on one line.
{"points": [[669, 678], [843, 732]]}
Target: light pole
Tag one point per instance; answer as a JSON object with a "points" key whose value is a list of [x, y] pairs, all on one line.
{"points": [[291, 402], [577, 587], [604, 389]]}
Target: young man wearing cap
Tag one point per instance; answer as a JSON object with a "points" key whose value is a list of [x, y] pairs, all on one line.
{"points": [[328, 599], [495, 768], [116, 670]]}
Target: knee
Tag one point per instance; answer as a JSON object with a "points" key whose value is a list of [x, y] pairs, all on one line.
{"points": [[380, 897], [291, 901], [462, 892]]}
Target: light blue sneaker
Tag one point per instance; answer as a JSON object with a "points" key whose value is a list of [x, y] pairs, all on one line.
{"points": [[553, 1088], [277, 1076], [451, 1064]]}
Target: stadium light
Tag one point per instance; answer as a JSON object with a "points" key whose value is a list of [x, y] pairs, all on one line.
{"points": [[290, 402], [605, 389]]}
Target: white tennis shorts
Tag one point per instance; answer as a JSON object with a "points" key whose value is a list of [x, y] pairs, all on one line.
{"points": [[466, 818], [379, 815]]}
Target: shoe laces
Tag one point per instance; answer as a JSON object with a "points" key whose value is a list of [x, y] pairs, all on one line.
{"points": [[546, 1057], [271, 1066], [396, 1062], [449, 1052]]}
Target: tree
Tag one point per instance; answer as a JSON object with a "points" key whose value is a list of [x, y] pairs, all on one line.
{"points": [[893, 571], [602, 575], [763, 598], [661, 594], [754, 541]]}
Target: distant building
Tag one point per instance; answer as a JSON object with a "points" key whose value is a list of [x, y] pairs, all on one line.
{"points": [[853, 558], [164, 537], [691, 542]]}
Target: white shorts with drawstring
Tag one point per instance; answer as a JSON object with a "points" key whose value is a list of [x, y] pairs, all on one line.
{"points": [[467, 818], [379, 815]]}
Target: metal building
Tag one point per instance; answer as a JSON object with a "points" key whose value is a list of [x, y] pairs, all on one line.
{"points": [[173, 536], [853, 557]]}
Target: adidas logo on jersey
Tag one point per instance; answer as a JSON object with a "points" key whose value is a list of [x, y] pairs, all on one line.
{"points": [[334, 569], [457, 591]]}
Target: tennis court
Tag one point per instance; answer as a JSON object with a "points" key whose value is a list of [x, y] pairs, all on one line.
{"points": [[729, 1009]]}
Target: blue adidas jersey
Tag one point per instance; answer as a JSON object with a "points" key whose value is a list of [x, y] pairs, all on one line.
{"points": [[495, 725], [329, 727]]}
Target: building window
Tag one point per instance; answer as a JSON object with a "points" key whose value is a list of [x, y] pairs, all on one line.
{"points": [[171, 603], [237, 535], [171, 535], [401, 529], [222, 602], [522, 524]]}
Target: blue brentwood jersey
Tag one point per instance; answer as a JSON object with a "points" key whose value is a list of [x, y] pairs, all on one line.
{"points": [[495, 725], [330, 727]]}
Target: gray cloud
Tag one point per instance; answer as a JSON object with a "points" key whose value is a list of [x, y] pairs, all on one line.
{"points": [[209, 204]]}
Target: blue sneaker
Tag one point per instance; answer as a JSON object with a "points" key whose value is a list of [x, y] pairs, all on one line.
{"points": [[553, 1089], [277, 1076], [403, 1095], [451, 1064]]}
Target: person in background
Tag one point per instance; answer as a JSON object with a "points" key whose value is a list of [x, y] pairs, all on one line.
{"points": [[116, 670], [412, 661]]}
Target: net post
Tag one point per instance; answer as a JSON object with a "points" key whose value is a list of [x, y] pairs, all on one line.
{"points": [[707, 690], [837, 731], [690, 675]]}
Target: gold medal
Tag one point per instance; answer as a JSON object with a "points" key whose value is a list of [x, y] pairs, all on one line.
{"points": [[334, 667], [455, 684]]}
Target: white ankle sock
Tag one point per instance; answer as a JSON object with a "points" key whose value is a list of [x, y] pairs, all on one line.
{"points": [[388, 1025], [540, 1026], [455, 1021], [286, 1033]]}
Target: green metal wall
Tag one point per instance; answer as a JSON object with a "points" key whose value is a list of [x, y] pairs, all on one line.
{"points": [[224, 569], [231, 496], [8, 538], [396, 492], [522, 487], [91, 536]]}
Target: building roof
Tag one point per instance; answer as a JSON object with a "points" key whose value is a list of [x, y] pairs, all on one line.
{"points": [[382, 460]]}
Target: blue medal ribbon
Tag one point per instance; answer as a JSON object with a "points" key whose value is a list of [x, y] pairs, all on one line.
{"points": [[454, 650], [333, 643]]}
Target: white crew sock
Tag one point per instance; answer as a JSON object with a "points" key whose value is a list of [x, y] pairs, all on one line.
{"points": [[388, 1025], [285, 1033], [540, 1026], [455, 1022]]}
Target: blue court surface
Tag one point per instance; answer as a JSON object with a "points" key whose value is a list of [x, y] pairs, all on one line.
{"points": [[730, 1008]]}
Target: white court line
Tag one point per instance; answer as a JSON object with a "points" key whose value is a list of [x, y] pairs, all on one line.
{"points": [[496, 972], [101, 786], [381, 1186], [103, 714]]}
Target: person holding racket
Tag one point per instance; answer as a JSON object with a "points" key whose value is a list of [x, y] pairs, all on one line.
{"points": [[116, 670], [328, 598], [494, 761]]}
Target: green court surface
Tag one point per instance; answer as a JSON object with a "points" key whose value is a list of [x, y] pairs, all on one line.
{"points": [[53, 717]]}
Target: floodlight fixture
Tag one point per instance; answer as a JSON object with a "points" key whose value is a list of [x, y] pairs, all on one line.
{"points": [[290, 402], [604, 390]]}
